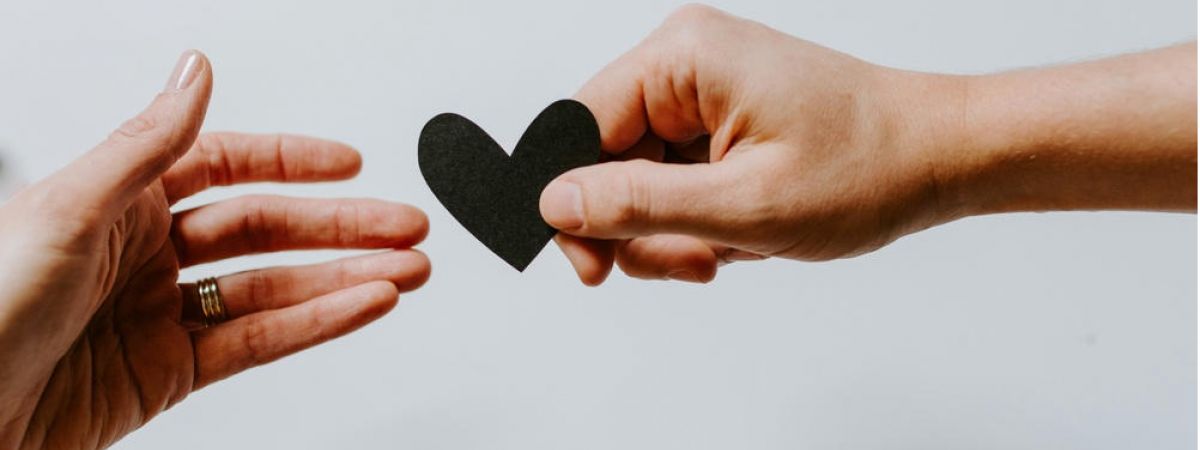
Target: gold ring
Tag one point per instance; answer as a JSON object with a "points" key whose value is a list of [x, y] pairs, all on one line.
{"points": [[212, 306]]}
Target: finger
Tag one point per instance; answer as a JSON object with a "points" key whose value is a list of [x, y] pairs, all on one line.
{"points": [[627, 199], [677, 257], [693, 151], [592, 259], [614, 96], [108, 178], [651, 87], [278, 287], [256, 339], [223, 159], [260, 224], [729, 255], [656, 86], [668, 256], [650, 148]]}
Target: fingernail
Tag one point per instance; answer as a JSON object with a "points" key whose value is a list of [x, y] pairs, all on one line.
{"points": [[684, 275], [562, 203], [185, 71], [741, 255]]}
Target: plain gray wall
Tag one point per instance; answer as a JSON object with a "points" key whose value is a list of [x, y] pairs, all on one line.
{"points": [[1065, 331]]}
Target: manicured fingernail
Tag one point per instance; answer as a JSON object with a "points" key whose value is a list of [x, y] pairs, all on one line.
{"points": [[684, 275], [562, 205], [185, 71]]}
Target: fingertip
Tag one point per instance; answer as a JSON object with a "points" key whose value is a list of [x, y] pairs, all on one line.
{"points": [[350, 159], [358, 305], [561, 204], [192, 69], [704, 263], [314, 159], [414, 269], [407, 225], [420, 224], [591, 259], [196, 86], [374, 300], [702, 272], [144, 147], [593, 277]]}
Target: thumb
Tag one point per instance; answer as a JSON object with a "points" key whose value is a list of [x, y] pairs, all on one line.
{"points": [[110, 176], [627, 199]]}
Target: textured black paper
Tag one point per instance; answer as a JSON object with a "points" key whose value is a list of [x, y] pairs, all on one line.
{"points": [[495, 196]]}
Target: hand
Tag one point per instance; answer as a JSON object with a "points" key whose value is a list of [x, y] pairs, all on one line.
{"points": [[97, 337], [733, 141]]}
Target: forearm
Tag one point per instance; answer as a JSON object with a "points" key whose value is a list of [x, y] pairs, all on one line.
{"points": [[1118, 133]]}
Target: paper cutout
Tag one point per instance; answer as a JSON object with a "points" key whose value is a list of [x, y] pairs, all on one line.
{"points": [[495, 196]]}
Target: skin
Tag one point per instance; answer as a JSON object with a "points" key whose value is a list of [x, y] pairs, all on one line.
{"points": [[104, 336], [732, 141]]}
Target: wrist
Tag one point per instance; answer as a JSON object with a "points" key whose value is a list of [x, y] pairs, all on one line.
{"points": [[981, 139], [931, 134], [1109, 134], [995, 143]]}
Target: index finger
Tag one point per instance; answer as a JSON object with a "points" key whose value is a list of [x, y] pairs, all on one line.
{"points": [[223, 159], [655, 86]]}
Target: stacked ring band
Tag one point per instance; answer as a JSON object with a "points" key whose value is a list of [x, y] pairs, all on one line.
{"points": [[212, 306]]}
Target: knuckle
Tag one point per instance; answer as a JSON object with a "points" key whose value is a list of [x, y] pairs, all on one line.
{"points": [[137, 128], [687, 35], [212, 148], [343, 274], [762, 210], [262, 289], [282, 171], [256, 341], [256, 227], [692, 15], [691, 25], [160, 125], [631, 199], [346, 219]]}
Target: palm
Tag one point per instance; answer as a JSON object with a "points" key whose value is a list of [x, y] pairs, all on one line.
{"points": [[135, 357], [126, 339]]}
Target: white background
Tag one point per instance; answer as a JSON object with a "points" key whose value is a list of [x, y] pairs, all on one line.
{"points": [[1065, 331]]}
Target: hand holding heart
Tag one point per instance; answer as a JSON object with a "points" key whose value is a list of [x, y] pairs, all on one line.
{"points": [[801, 152], [725, 141], [796, 152]]}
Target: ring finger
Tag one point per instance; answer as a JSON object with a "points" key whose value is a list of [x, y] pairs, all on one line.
{"points": [[278, 287]]}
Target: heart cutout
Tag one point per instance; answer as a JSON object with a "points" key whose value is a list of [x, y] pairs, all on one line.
{"points": [[494, 195]]}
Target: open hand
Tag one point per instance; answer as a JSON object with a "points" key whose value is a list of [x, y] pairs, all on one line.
{"points": [[97, 335]]}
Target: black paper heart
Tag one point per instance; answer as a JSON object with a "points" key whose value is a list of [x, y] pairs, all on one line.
{"points": [[495, 196]]}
